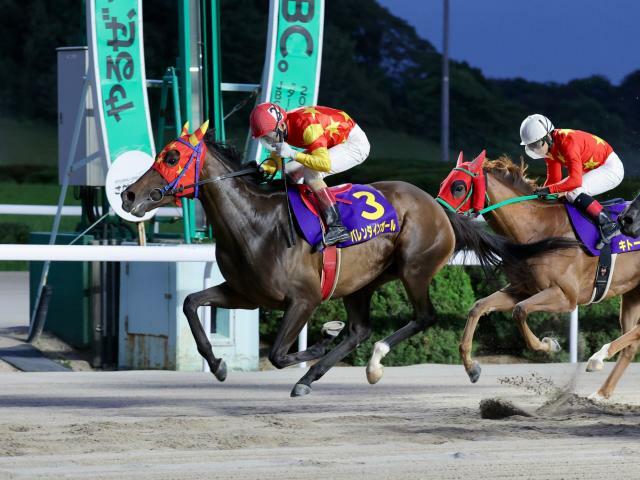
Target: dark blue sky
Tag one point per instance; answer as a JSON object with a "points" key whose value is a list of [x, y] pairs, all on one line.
{"points": [[539, 40]]}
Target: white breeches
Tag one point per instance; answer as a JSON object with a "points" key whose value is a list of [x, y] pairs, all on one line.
{"points": [[604, 178], [343, 157]]}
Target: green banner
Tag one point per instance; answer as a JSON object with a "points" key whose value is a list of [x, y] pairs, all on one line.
{"points": [[118, 63], [291, 75], [296, 70]]}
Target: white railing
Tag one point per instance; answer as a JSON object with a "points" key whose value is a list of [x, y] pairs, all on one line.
{"points": [[108, 253], [69, 211], [177, 253]]}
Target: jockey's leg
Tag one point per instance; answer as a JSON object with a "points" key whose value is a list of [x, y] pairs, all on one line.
{"points": [[344, 156], [595, 182], [336, 231], [609, 228]]}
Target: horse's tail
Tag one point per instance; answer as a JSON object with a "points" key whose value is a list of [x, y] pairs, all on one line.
{"points": [[496, 251]]}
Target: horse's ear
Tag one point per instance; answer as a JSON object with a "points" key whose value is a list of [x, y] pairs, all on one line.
{"points": [[185, 129], [198, 135], [479, 160], [460, 159]]}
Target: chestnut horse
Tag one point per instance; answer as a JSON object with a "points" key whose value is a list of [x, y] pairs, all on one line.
{"points": [[251, 228], [629, 220], [557, 281]]}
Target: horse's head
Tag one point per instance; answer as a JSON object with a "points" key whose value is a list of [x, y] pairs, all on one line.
{"points": [[176, 168], [629, 219], [464, 188]]}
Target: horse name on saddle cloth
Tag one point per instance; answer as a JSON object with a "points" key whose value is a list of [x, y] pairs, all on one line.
{"points": [[589, 234], [364, 210]]}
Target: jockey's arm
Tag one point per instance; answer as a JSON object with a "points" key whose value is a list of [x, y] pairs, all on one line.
{"points": [[554, 172], [318, 159], [573, 180]]}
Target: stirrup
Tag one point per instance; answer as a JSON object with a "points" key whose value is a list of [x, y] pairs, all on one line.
{"points": [[605, 239]]}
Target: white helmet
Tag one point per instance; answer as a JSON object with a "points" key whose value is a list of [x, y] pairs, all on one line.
{"points": [[535, 127]]}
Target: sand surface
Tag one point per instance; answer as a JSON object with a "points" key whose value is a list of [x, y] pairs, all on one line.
{"points": [[418, 422]]}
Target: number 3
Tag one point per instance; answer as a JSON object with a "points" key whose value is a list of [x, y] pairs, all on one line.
{"points": [[371, 202]]}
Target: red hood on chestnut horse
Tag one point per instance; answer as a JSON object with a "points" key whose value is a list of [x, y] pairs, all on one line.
{"points": [[251, 225], [556, 281]]}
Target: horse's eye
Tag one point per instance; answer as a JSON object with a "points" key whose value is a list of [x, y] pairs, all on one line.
{"points": [[459, 188], [172, 158]]}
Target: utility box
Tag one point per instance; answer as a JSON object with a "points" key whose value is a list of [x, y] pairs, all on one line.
{"points": [[72, 69], [154, 332]]}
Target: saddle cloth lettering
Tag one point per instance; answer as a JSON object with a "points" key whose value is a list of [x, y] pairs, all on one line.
{"points": [[364, 211]]}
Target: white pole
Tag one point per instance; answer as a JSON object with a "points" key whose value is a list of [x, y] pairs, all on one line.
{"points": [[108, 253], [573, 336], [302, 343]]}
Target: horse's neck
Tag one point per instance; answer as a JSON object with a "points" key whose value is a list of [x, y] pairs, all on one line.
{"points": [[236, 210], [526, 221]]}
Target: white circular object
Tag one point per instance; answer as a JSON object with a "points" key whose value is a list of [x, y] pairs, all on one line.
{"points": [[124, 171], [534, 127]]}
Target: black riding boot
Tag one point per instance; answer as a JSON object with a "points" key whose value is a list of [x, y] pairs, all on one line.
{"points": [[608, 227], [336, 231]]}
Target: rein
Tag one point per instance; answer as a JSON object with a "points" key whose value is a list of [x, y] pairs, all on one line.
{"points": [[489, 207]]}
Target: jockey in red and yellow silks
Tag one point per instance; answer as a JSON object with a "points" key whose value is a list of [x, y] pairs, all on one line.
{"points": [[592, 165], [331, 140]]}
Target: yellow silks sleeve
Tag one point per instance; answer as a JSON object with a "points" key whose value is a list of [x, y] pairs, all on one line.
{"points": [[318, 160]]}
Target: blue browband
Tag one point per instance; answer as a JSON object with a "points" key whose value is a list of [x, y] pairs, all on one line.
{"points": [[197, 150]]}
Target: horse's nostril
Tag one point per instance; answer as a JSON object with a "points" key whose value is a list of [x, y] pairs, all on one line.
{"points": [[131, 196]]}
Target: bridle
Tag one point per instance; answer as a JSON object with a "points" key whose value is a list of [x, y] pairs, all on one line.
{"points": [[172, 188]]}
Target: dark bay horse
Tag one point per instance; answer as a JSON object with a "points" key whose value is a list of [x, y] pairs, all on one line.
{"points": [[250, 224], [557, 281]]}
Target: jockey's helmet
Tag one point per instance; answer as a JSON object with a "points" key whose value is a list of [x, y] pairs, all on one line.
{"points": [[266, 118], [534, 134]]}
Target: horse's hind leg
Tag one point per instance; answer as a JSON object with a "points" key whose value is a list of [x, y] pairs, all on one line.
{"points": [[424, 316], [219, 296], [629, 315], [551, 299], [357, 305]]}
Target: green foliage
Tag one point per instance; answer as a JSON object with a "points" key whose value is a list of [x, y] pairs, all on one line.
{"points": [[13, 232], [437, 345]]}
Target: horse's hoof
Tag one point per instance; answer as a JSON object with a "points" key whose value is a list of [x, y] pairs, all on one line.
{"points": [[332, 329], [595, 365], [300, 390], [374, 374], [474, 372], [554, 346], [221, 371]]}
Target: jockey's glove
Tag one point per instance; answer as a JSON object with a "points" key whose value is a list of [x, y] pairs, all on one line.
{"points": [[542, 191], [284, 150], [271, 165]]}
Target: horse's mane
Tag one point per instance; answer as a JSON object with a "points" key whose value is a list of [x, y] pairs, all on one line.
{"points": [[504, 168], [224, 151]]}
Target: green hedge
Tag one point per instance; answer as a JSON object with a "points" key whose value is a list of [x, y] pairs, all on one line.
{"points": [[453, 291]]}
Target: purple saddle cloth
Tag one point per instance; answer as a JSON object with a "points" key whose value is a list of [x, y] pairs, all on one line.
{"points": [[365, 212], [588, 233]]}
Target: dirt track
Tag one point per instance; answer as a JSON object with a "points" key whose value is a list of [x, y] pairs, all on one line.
{"points": [[419, 422]]}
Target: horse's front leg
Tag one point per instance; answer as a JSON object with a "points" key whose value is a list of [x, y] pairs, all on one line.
{"points": [[548, 300], [499, 301], [219, 296]]}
